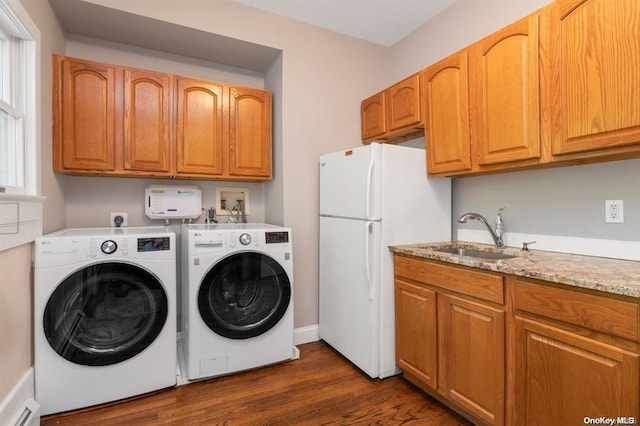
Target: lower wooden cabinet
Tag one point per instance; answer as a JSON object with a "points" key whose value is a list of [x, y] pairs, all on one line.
{"points": [[566, 377], [576, 355], [416, 344], [449, 343], [502, 349], [471, 361]]}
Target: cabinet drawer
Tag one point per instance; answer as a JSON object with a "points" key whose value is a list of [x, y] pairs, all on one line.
{"points": [[599, 313], [482, 285]]}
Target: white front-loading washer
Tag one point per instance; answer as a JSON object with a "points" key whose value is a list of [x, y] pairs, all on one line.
{"points": [[238, 297], [104, 315]]}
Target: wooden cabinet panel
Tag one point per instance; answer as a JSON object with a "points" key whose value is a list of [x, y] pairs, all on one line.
{"points": [[249, 132], [448, 343], [395, 114], [614, 317], [84, 115], [416, 348], [596, 75], [373, 117], [110, 120], [446, 102], [545, 354], [566, 377], [486, 286], [403, 103], [505, 94], [147, 121], [199, 128], [472, 353]]}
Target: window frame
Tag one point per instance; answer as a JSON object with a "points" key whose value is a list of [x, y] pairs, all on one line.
{"points": [[21, 205]]}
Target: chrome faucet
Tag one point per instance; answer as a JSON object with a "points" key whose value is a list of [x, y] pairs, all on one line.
{"points": [[495, 234]]}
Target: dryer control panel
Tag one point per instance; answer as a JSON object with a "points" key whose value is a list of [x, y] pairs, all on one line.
{"points": [[278, 237]]}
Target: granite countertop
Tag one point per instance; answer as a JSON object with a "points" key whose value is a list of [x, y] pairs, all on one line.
{"points": [[596, 273]]}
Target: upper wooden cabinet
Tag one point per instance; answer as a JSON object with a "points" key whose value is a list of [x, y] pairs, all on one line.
{"points": [[372, 117], [148, 137], [446, 106], [86, 93], [404, 104], [504, 94], [482, 104], [395, 114], [557, 87], [595, 77], [200, 141], [249, 132], [117, 121]]}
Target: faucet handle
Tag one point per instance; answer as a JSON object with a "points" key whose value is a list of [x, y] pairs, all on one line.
{"points": [[525, 246]]}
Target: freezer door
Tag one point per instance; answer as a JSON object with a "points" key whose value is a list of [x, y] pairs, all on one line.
{"points": [[348, 294], [349, 183]]}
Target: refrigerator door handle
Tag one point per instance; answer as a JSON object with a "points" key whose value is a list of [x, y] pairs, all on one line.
{"points": [[369, 184], [367, 255]]}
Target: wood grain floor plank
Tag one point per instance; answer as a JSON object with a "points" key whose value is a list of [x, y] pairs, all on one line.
{"points": [[320, 388]]}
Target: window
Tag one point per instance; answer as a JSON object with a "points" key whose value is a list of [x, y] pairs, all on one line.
{"points": [[20, 201], [18, 136]]}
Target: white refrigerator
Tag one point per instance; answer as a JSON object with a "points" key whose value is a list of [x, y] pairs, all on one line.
{"points": [[371, 197]]}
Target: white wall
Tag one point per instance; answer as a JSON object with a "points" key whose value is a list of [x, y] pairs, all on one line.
{"points": [[15, 316]]}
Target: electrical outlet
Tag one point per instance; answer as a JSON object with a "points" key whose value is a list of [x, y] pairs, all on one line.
{"points": [[614, 213], [113, 217]]}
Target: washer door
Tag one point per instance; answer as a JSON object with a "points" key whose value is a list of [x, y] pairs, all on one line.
{"points": [[244, 295], [105, 314]]}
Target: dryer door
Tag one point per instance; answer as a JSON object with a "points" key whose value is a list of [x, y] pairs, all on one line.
{"points": [[244, 295], [105, 313]]}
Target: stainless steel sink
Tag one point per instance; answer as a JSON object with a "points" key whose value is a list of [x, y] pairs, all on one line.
{"points": [[465, 251]]}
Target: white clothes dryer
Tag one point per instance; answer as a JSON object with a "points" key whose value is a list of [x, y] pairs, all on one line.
{"points": [[238, 297], [104, 315]]}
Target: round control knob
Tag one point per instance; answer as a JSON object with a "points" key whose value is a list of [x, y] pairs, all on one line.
{"points": [[109, 247], [245, 239]]}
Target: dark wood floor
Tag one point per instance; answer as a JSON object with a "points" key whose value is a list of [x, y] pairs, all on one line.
{"points": [[320, 388]]}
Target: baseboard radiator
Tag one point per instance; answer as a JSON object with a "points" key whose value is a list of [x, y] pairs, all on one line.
{"points": [[27, 415], [19, 408]]}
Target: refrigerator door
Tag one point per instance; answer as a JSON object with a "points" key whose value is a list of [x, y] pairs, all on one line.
{"points": [[349, 285], [350, 183]]}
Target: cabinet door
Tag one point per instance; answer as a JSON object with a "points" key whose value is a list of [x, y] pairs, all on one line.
{"points": [[372, 117], [471, 357], [504, 94], [446, 101], [567, 377], [147, 118], [416, 345], [403, 103], [596, 75], [84, 115], [199, 138], [249, 133]]}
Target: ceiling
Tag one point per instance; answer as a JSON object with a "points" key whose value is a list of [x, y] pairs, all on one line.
{"points": [[91, 20], [383, 22]]}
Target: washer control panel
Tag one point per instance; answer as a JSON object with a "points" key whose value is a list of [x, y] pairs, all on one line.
{"points": [[245, 239], [108, 247]]}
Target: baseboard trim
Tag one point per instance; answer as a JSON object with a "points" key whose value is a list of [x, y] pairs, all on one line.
{"points": [[22, 391], [304, 335]]}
